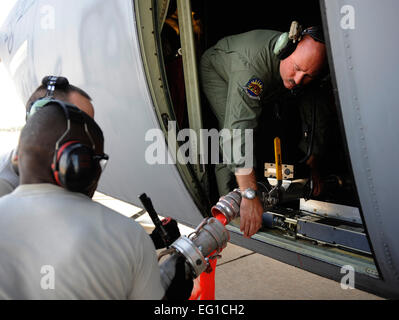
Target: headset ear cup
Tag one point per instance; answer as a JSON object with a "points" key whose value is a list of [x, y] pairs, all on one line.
{"points": [[77, 169], [287, 50], [284, 46], [55, 164], [281, 43]]}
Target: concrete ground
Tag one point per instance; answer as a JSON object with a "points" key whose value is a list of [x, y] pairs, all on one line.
{"points": [[242, 274]]}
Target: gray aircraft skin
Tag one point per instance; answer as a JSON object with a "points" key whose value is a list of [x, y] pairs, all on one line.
{"points": [[96, 44]]}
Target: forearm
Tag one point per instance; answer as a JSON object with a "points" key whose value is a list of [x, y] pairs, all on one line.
{"points": [[246, 178]]}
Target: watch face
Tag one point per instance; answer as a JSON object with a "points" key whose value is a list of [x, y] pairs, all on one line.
{"points": [[249, 194]]}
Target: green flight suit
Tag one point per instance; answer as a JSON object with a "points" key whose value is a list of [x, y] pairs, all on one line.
{"points": [[227, 71]]}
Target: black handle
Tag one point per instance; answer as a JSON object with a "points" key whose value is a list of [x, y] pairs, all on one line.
{"points": [[147, 203]]}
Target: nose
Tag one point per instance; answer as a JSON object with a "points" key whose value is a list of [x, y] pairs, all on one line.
{"points": [[299, 77]]}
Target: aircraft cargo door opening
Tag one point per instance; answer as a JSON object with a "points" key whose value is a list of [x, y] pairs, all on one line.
{"points": [[316, 211], [303, 170]]}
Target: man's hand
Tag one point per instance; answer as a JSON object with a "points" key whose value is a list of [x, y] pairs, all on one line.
{"points": [[251, 216], [250, 210], [317, 183], [314, 168], [171, 228]]}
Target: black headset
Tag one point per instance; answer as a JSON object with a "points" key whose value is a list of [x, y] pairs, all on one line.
{"points": [[75, 166], [288, 41]]}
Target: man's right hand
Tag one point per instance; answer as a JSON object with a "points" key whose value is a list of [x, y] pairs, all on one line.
{"points": [[251, 216], [250, 210], [171, 228]]}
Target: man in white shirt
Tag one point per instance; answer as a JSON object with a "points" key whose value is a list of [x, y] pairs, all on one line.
{"points": [[9, 180], [58, 244]]}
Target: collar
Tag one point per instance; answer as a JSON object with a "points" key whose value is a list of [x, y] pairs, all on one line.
{"points": [[43, 188]]}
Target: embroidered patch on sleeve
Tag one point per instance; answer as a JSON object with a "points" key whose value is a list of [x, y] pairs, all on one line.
{"points": [[254, 88]]}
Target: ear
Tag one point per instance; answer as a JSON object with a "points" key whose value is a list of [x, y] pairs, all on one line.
{"points": [[14, 161]]}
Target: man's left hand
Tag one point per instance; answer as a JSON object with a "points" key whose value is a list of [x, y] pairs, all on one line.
{"points": [[317, 182]]}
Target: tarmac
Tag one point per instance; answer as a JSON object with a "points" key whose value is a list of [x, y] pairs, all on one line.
{"points": [[242, 274]]}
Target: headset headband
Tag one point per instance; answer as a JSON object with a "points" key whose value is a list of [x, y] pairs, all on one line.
{"points": [[288, 41], [51, 87], [51, 83], [315, 32]]}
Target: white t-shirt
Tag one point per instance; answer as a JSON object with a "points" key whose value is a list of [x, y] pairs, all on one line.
{"points": [[56, 244], [9, 180], [5, 187]]}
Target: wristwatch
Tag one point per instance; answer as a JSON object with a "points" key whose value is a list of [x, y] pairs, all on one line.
{"points": [[249, 194]]}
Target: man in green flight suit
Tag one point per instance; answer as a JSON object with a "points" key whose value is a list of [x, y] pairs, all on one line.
{"points": [[244, 72]]}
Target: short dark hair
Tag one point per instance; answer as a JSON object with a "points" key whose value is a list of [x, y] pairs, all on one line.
{"points": [[42, 131], [60, 93], [48, 124]]}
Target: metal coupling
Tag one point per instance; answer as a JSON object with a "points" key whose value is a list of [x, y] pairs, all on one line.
{"points": [[228, 205], [210, 238]]}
